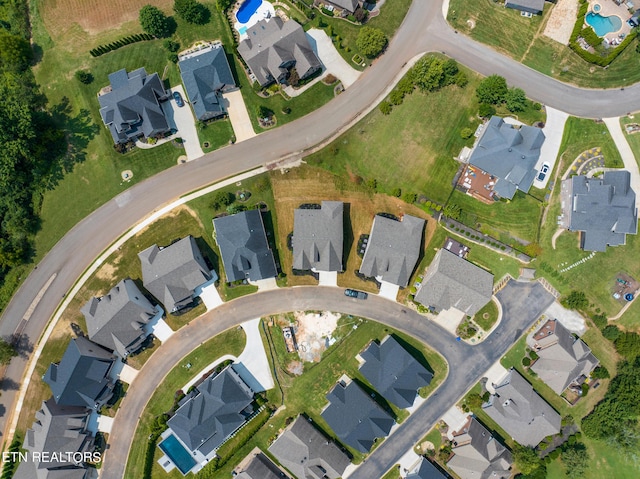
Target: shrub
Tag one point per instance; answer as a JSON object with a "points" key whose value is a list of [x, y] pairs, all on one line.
{"points": [[410, 198], [385, 107], [396, 97], [397, 192], [611, 332], [171, 45], [84, 76], [526, 361], [600, 373], [533, 355], [466, 133], [492, 90]]}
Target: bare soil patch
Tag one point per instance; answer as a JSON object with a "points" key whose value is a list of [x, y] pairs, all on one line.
{"points": [[92, 16], [560, 23], [313, 332]]}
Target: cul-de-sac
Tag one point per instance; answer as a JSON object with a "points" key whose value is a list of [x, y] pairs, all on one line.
{"points": [[319, 239]]}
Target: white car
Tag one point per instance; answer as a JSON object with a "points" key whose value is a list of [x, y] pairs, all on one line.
{"points": [[543, 171]]}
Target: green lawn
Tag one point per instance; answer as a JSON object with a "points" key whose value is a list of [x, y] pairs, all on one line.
{"points": [[504, 219], [407, 149], [581, 134], [394, 473], [218, 134], [502, 28], [230, 342], [487, 316]]}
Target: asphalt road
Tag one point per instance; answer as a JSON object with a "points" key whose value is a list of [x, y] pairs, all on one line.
{"points": [[467, 363], [424, 29]]}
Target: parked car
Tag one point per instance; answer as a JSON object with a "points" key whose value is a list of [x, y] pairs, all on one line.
{"points": [[178, 98], [353, 293], [543, 171]]}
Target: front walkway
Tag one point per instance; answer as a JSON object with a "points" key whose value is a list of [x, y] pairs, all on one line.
{"points": [[182, 119], [239, 116]]}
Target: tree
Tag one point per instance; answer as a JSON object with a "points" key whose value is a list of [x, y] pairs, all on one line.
{"points": [[516, 99], [429, 74], [15, 52], [611, 332], [450, 70], [84, 76], [575, 300], [452, 211], [474, 401], [385, 107], [628, 345], [492, 90], [396, 97], [7, 351], [360, 14], [264, 112], [485, 110], [171, 45], [191, 11], [371, 41], [222, 199], [526, 459], [154, 22], [224, 5], [600, 373], [575, 459], [466, 133]]}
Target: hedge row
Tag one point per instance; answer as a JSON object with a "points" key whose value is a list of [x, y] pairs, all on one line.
{"points": [[589, 38], [102, 49]]}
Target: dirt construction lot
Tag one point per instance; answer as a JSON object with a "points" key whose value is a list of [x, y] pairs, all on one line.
{"points": [[93, 16]]}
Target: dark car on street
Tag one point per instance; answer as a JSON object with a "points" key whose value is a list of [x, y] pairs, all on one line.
{"points": [[353, 293]]}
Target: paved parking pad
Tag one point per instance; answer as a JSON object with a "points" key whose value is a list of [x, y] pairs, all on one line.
{"points": [[523, 303]]}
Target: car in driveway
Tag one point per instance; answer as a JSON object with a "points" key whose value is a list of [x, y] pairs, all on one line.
{"points": [[543, 171], [178, 98], [354, 293]]}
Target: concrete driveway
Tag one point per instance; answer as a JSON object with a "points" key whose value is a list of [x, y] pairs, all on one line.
{"points": [[629, 159], [239, 116], [553, 130], [182, 119], [254, 359], [331, 59]]}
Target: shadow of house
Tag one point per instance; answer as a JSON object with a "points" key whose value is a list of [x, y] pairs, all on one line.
{"points": [[132, 106], [117, 320], [206, 76]]}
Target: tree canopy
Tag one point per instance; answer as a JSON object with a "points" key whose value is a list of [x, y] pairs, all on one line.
{"points": [[191, 11], [154, 22], [7, 351], [371, 41], [516, 99], [492, 90]]}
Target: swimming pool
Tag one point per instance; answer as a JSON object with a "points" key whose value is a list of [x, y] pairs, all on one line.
{"points": [[603, 25], [248, 8], [178, 454], [596, 8], [242, 30]]}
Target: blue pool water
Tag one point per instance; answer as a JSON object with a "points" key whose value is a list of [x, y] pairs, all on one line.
{"points": [[242, 30], [178, 454], [603, 25], [247, 9]]}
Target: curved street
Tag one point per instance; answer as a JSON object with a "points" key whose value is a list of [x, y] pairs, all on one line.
{"points": [[424, 29], [466, 363]]}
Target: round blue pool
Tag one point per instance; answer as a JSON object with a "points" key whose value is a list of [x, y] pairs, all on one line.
{"points": [[603, 25], [248, 8], [596, 8]]}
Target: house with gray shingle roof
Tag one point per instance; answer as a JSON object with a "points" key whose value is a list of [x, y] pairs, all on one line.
{"points": [[478, 455], [243, 246], [521, 412], [307, 453], [210, 413], [530, 6], [60, 430], [348, 5], [562, 357], [117, 320], [393, 372], [272, 47], [603, 209], [318, 237], [454, 282], [509, 154], [81, 378], [206, 76], [131, 108], [260, 467], [426, 470], [393, 249], [172, 274], [356, 419]]}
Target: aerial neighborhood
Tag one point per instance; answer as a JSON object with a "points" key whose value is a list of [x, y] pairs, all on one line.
{"points": [[320, 239]]}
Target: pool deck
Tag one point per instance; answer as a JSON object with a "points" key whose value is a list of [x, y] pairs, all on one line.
{"points": [[607, 9], [265, 10]]}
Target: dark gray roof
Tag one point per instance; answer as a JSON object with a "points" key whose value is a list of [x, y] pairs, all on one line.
{"points": [[604, 209], [533, 6], [478, 455], [564, 361], [393, 249], [57, 429], [318, 237], [350, 5], [454, 282], [356, 418], [518, 409], [206, 75], [211, 412], [272, 46], [116, 320], [172, 273], [261, 467], [243, 246], [307, 453], [393, 372], [81, 378], [510, 154], [426, 470], [132, 106]]}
